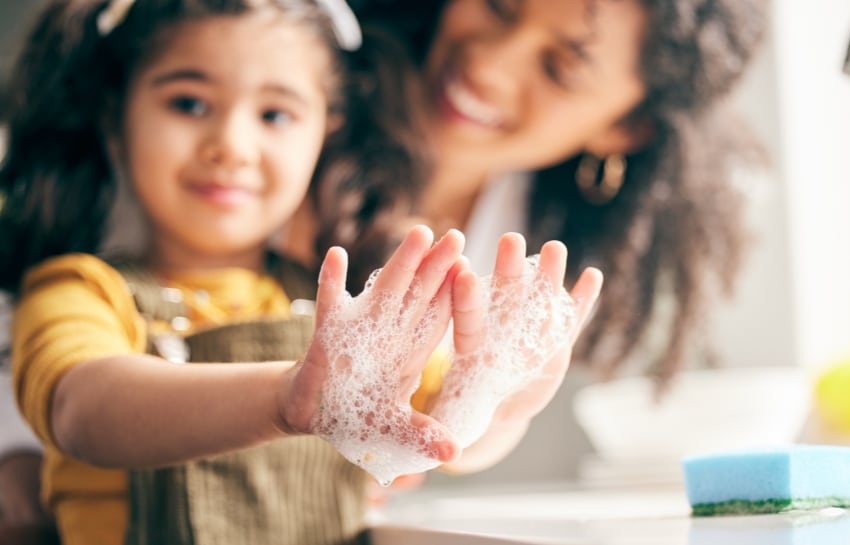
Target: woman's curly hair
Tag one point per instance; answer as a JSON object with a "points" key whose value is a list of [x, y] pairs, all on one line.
{"points": [[678, 222]]}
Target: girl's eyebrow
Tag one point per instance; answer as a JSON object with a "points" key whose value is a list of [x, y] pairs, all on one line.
{"points": [[180, 74], [198, 75]]}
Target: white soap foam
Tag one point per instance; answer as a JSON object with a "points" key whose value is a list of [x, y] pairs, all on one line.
{"points": [[370, 339], [528, 322], [366, 414]]}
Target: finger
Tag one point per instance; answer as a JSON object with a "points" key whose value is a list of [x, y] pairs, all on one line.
{"points": [[443, 300], [510, 259], [468, 314], [398, 273], [439, 442], [553, 263], [585, 293], [411, 481], [432, 272], [331, 281], [436, 325], [460, 265]]}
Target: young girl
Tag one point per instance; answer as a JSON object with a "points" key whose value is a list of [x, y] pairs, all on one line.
{"points": [[215, 113]]}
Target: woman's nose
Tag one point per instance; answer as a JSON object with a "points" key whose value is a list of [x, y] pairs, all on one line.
{"points": [[231, 141], [501, 60]]}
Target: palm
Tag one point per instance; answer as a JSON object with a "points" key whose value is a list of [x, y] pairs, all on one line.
{"points": [[512, 349], [364, 362]]}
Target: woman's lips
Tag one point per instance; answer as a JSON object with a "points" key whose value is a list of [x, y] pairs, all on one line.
{"points": [[459, 103]]}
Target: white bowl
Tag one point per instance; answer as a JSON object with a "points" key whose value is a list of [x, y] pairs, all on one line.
{"points": [[703, 411]]}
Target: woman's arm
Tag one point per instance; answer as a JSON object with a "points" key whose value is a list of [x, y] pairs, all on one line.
{"points": [[478, 364]]}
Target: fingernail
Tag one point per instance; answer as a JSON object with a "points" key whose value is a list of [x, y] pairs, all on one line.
{"points": [[448, 451]]}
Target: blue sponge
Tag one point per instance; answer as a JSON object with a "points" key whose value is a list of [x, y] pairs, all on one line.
{"points": [[768, 481]]}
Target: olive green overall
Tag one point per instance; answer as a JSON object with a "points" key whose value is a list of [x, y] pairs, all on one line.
{"points": [[294, 491]]}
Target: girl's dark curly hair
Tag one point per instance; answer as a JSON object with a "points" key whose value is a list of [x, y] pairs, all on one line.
{"points": [[678, 221], [68, 89]]}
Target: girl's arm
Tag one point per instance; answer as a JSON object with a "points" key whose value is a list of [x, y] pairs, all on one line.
{"points": [[137, 411]]}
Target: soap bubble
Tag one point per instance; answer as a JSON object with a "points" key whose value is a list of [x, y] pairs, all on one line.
{"points": [[365, 411], [528, 322]]}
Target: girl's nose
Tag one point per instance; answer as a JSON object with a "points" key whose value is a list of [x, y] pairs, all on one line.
{"points": [[231, 141]]}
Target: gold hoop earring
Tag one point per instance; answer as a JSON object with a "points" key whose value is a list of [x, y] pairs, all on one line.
{"points": [[600, 189]]}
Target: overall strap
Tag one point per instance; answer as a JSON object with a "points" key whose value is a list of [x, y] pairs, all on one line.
{"points": [[156, 302], [163, 309], [153, 301], [298, 281]]}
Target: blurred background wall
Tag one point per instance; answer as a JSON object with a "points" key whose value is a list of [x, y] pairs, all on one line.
{"points": [[15, 16], [793, 305]]}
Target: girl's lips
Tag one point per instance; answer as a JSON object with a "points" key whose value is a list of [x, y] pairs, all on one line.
{"points": [[222, 195]]}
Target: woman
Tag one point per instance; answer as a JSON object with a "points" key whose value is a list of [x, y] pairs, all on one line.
{"points": [[597, 122]]}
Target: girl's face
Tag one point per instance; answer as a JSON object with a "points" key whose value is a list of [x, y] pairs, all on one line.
{"points": [[222, 132], [521, 84]]}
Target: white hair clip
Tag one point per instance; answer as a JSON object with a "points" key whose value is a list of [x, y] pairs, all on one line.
{"points": [[346, 27], [113, 15]]}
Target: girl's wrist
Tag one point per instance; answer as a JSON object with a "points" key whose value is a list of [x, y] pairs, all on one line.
{"points": [[286, 423]]}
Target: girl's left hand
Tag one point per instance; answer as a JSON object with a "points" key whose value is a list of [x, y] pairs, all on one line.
{"points": [[353, 386]]}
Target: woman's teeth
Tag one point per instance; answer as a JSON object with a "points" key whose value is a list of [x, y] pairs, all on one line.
{"points": [[470, 106]]}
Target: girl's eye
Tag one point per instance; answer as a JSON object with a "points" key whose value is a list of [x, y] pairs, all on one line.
{"points": [[277, 117], [190, 105], [506, 10]]}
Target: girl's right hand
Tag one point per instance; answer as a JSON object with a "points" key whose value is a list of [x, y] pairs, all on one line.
{"points": [[353, 386]]}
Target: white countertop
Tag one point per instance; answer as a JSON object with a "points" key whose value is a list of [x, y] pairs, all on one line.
{"points": [[565, 514]]}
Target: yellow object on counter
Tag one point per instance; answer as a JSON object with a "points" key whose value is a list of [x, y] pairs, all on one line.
{"points": [[832, 397]]}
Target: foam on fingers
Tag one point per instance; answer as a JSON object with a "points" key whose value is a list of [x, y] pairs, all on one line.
{"points": [[526, 325], [365, 410]]}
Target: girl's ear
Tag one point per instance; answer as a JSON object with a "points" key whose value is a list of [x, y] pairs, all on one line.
{"points": [[113, 140], [335, 121], [110, 128], [114, 148], [628, 136]]}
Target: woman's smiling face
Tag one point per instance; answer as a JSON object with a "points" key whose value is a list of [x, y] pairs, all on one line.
{"points": [[522, 84]]}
